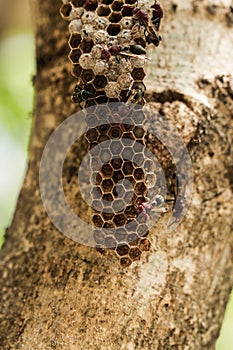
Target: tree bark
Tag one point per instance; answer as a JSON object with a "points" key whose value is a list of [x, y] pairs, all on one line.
{"points": [[58, 294]]}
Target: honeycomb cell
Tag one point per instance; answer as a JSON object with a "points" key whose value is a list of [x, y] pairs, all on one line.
{"points": [[112, 89], [97, 205], [138, 159], [65, 11], [87, 75], [115, 17], [91, 135], [119, 219], [125, 262], [110, 242], [130, 211], [75, 26], [117, 5], [138, 174], [123, 250], [107, 197], [107, 185], [115, 148], [76, 70], [102, 99], [107, 217], [115, 132], [133, 238], [100, 82], [88, 32], [139, 117], [125, 81], [126, 22], [100, 37], [143, 230], [75, 40], [140, 188], [118, 204], [138, 74], [75, 55], [124, 36], [113, 29], [118, 176], [107, 225], [100, 68], [76, 13], [91, 120], [139, 132], [78, 3], [117, 163], [135, 253], [91, 5], [88, 17], [103, 138], [102, 22], [103, 11], [86, 46], [128, 168], [102, 112], [144, 245], [127, 153], [99, 237], [104, 128], [107, 170], [121, 235], [97, 220]]}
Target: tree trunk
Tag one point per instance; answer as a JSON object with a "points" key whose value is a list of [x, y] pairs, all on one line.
{"points": [[58, 294]]}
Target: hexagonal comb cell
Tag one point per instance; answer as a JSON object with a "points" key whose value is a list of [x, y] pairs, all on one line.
{"points": [[107, 51]]}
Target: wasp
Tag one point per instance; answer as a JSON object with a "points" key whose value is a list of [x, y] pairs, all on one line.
{"points": [[80, 94], [142, 17], [157, 204], [157, 15], [179, 185], [136, 51], [135, 96]]}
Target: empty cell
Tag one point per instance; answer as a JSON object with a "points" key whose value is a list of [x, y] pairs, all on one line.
{"points": [[128, 168], [107, 185], [114, 29], [110, 242], [135, 253], [75, 55], [125, 261], [86, 46], [99, 237], [75, 40], [115, 147], [117, 5], [138, 74], [103, 11], [115, 17], [87, 76], [115, 132], [107, 170], [119, 219], [123, 250], [91, 135], [76, 70], [116, 163], [117, 176], [100, 82], [144, 245], [97, 220]]}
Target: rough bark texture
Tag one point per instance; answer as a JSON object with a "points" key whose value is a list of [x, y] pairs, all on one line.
{"points": [[59, 295]]}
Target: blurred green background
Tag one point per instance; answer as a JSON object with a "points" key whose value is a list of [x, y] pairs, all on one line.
{"points": [[17, 66]]}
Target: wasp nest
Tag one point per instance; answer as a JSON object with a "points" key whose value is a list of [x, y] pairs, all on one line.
{"points": [[108, 41]]}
